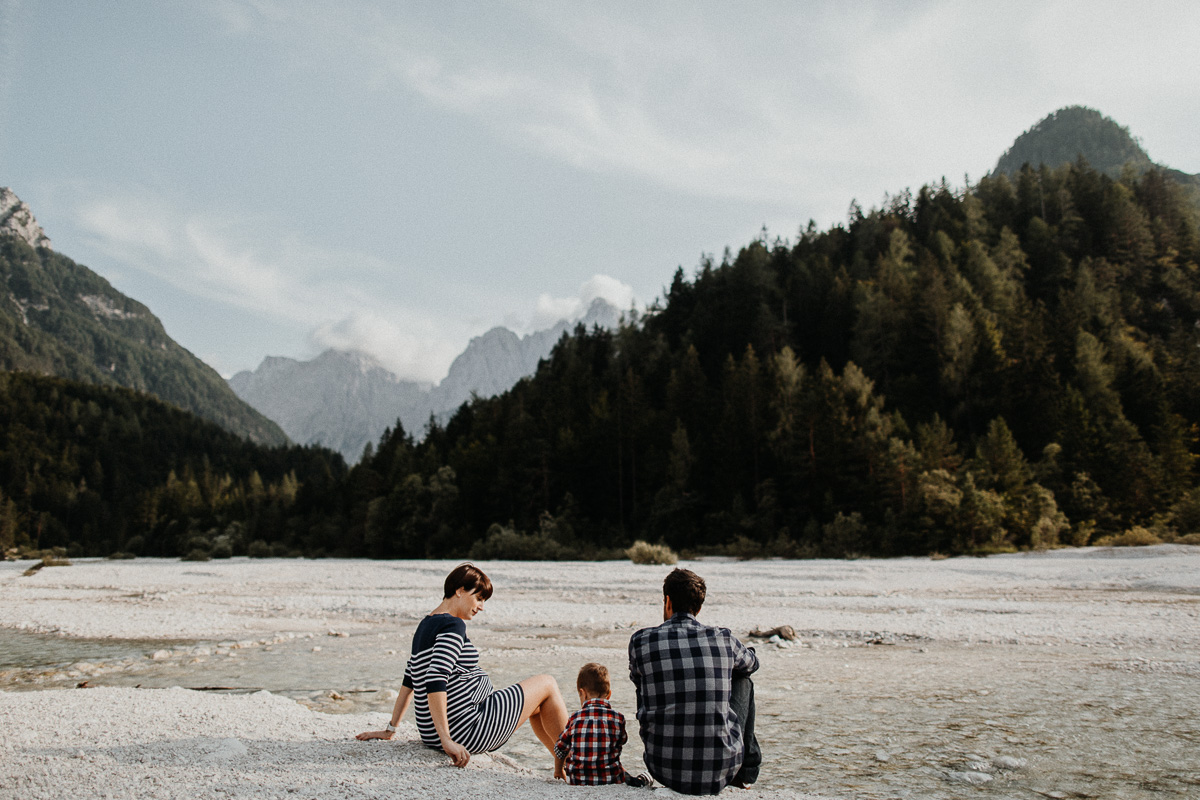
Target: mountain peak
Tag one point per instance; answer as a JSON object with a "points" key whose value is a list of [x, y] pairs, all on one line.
{"points": [[16, 219], [1071, 132]]}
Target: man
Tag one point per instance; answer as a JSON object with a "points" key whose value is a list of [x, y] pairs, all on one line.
{"points": [[695, 701]]}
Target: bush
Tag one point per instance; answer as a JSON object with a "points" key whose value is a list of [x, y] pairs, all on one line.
{"points": [[744, 548], [221, 550], [1136, 536], [645, 553], [120, 556], [196, 554], [508, 544], [1191, 538], [259, 549]]}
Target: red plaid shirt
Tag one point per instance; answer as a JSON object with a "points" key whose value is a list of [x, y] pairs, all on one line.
{"points": [[590, 745]]}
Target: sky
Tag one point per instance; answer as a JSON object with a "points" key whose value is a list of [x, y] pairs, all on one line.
{"points": [[277, 178]]}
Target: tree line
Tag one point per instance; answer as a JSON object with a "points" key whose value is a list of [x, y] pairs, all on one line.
{"points": [[1010, 364]]}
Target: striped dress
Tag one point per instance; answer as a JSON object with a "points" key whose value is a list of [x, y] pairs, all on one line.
{"points": [[444, 660]]}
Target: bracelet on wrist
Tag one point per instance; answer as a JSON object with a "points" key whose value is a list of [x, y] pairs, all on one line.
{"points": [[391, 728]]}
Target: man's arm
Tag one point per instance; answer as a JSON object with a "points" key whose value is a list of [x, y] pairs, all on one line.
{"points": [[744, 659]]}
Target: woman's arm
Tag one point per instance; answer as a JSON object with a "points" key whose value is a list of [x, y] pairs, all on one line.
{"points": [[437, 710], [402, 701]]}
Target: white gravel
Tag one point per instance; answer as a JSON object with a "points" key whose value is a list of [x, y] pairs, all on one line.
{"points": [[126, 742]]}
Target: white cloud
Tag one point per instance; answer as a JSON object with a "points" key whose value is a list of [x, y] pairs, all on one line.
{"points": [[794, 105], [413, 357], [548, 310], [296, 283]]}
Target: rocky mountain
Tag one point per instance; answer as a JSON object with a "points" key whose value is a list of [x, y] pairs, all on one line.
{"points": [[346, 400], [16, 219], [1074, 131], [59, 318]]}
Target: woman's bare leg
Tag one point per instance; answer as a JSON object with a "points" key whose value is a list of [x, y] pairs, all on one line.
{"points": [[546, 712]]}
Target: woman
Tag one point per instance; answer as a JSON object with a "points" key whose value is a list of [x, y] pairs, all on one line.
{"points": [[457, 709]]}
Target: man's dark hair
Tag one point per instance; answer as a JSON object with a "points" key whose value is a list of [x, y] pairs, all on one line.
{"points": [[686, 591], [593, 679], [469, 577]]}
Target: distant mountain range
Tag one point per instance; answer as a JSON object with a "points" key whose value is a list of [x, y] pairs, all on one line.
{"points": [[345, 400], [60, 318]]}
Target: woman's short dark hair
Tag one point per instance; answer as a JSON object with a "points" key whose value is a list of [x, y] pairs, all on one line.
{"points": [[686, 590], [593, 679], [470, 577]]}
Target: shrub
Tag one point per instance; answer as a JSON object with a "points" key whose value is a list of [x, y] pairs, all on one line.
{"points": [[196, 554], [1191, 538], [222, 550], [1136, 536], [120, 556], [645, 553], [509, 544], [744, 548], [259, 549]]}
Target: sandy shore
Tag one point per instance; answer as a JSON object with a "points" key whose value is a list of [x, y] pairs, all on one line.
{"points": [[1073, 673]]}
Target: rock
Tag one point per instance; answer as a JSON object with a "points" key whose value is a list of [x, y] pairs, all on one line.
{"points": [[16, 219], [227, 749], [1009, 763], [335, 695], [160, 655], [775, 634], [970, 778], [882, 756]]}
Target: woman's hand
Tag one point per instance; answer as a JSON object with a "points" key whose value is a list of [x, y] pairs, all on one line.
{"points": [[368, 735], [458, 754]]}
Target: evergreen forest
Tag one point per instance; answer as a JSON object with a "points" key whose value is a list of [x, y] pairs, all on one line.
{"points": [[1013, 364]]}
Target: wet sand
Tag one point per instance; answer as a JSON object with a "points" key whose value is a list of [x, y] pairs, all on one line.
{"points": [[1067, 674]]}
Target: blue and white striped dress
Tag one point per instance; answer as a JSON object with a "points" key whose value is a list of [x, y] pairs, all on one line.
{"points": [[444, 660]]}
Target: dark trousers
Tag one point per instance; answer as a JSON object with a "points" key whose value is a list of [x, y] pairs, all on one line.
{"points": [[742, 703]]}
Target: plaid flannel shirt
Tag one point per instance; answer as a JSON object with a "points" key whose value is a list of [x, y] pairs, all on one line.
{"points": [[590, 745], [683, 672]]}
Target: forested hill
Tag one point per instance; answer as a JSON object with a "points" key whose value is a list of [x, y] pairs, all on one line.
{"points": [[1014, 364], [99, 470], [60, 318], [1076, 132]]}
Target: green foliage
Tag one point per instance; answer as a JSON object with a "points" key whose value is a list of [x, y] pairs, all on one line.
{"points": [[60, 318], [1008, 366], [645, 553], [105, 470], [503, 543], [1136, 536]]}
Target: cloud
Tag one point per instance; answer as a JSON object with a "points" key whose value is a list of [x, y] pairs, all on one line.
{"points": [[413, 357], [797, 105], [298, 284], [549, 310]]}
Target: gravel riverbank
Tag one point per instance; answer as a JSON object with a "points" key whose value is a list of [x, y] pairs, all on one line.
{"points": [[1074, 673]]}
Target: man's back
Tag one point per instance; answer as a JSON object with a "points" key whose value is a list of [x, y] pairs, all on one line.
{"points": [[683, 672]]}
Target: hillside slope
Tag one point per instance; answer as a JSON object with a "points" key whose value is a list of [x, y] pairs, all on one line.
{"points": [[60, 318]]}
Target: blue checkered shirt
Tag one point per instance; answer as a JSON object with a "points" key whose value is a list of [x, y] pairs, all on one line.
{"points": [[683, 672]]}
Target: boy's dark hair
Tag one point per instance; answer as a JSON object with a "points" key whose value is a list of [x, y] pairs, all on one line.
{"points": [[593, 679], [469, 577], [686, 590]]}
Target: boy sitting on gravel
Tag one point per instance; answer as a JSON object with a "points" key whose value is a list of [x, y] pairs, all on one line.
{"points": [[590, 745]]}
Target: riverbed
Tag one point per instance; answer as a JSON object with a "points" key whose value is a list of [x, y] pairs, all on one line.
{"points": [[1074, 673]]}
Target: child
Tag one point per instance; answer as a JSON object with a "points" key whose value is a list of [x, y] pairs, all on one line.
{"points": [[590, 745]]}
